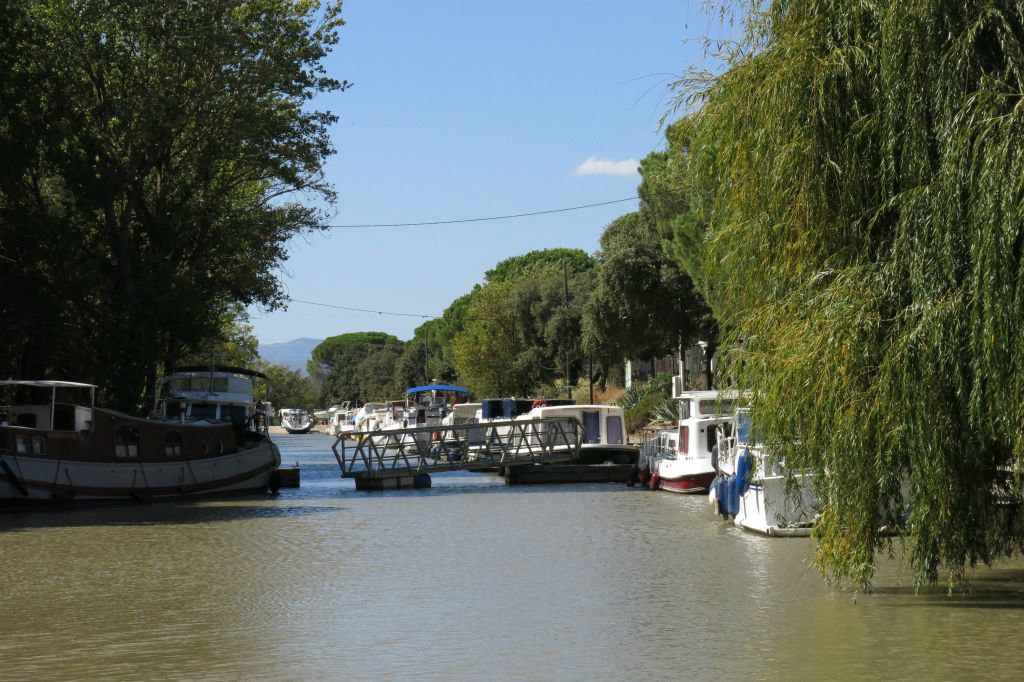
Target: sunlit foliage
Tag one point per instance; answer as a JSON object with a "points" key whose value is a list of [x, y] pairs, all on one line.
{"points": [[857, 171]]}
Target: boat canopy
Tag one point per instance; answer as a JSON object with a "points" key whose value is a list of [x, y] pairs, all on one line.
{"points": [[437, 387], [510, 408], [44, 384], [226, 369]]}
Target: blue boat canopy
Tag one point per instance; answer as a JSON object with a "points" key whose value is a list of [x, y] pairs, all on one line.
{"points": [[437, 387]]}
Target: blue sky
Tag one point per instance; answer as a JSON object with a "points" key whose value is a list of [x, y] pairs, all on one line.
{"points": [[470, 109]]}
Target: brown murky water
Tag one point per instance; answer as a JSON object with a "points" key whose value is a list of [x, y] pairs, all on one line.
{"points": [[467, 580]]}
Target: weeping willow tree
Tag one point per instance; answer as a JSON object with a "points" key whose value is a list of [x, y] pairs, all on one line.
{"points": [[857, 173]]}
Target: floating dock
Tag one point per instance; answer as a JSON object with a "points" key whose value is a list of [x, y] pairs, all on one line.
{"points": [[405, 458], [288, 477]]}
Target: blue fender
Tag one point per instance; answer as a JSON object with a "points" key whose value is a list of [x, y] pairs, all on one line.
{"points": [[744, 471]]}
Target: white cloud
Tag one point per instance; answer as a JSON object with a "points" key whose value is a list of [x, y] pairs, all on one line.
{"points": [[596, 166]]}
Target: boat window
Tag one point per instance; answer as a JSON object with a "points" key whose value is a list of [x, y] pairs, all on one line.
{"points": [[38, 446], [21, 445], [173, 409], [204, 411], [684, 409], [591, 427], [715, 407], [127, 443], [26, 419], [200, 383], [172, 444], [233, 413], [614, 426], [743, 427], [63, 417]]}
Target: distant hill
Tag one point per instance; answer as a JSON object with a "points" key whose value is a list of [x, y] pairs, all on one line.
{"points": [[292, 354]]}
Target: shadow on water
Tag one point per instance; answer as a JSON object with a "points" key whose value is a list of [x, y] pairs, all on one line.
{"points": [[318, 495], [490, 488], [191, 511], [997, 590]]}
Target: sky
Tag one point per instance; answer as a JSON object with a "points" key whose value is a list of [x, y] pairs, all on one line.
{"points": [[463, 109]]}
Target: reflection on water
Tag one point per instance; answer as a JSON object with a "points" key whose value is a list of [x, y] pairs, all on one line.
{"points": [[465, 580]]}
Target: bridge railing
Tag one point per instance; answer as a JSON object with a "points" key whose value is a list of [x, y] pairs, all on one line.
{"points": [[404, 452]]}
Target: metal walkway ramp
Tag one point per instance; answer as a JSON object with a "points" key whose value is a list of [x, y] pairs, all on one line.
{"points": [[403, 458]]}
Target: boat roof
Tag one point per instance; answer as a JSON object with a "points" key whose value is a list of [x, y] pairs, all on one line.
{"points": [[591, 406], [217, 368], [42, 383], [437, 387], [728, 394]]}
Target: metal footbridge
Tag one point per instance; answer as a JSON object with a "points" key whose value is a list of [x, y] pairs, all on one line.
{"points": [[402, 458]]}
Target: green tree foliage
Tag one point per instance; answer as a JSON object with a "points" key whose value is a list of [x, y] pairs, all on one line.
{"points": [[488, 350], [375, 374], [149, 150], [522, 334], [288, 388], [518, 268], [411, 368], [857, 168], [643, 304], [665, 189], [546, 332], [651, 401], [430, 354], [235, 345], [357, 367]]}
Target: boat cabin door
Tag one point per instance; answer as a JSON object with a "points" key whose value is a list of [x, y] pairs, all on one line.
{"points": [[724, 428], [591, 426]]}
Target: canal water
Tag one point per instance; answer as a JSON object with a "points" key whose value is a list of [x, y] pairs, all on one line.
{"points": [[468, 580]]}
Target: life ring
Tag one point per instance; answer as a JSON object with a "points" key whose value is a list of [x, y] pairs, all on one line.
{"points": [[538, 403]]}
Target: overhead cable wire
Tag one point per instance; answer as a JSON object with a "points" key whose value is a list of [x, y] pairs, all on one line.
{"points": [[363, 310], [489, 218]]}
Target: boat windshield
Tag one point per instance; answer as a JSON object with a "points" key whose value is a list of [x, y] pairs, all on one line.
{"points": [[235, 414], [204, 411], [202, 383], [743, 427]]}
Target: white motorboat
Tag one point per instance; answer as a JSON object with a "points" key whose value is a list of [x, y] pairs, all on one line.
{"points": [[604, 434], [339, 420], [755, 489], [368, 418], [427, 405], [681, 460], [207, 435], [296, 420]]}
